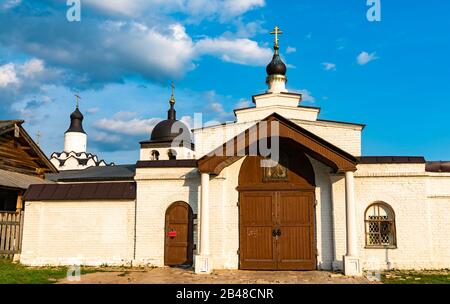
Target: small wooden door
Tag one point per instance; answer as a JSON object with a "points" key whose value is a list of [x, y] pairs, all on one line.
{"points": [[277, 230], [179, 238]]}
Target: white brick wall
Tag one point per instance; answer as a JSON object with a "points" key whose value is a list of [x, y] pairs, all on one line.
{"points": [[421, 222], [157, 189], [347, 137], [73, 232], [103, 232], [324, 215]]}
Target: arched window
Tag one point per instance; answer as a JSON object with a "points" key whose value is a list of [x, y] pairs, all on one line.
{"points": [[380, 226], [172, 154], [155, 155]]}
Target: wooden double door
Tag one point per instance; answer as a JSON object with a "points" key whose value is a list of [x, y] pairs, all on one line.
{"points": [[277, 230]]}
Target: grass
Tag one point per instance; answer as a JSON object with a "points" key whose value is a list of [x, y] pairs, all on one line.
{"points": [[416, 277], [12, 273]]}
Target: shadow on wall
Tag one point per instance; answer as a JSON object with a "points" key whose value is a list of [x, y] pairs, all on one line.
{"points": [[192, 181]]}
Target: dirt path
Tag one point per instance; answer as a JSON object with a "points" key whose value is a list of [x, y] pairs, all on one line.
{"points": [[180, 276]]}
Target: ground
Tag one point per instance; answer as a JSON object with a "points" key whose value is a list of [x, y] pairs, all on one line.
{"points": [[183, 276], [11, 273]]}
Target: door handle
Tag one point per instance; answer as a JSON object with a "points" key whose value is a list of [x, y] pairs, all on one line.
{"points": [[278, 232], [274, 233]]}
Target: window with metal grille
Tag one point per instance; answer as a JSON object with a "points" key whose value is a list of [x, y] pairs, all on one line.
{"points": [[380, 226]]}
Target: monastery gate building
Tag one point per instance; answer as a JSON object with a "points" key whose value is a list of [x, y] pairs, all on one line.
{"points": [[321, 206]]}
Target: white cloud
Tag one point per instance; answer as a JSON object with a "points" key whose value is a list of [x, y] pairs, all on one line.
{"points": [[105, 137], [238, 7], [290, 50], [126, 123], [20, 81], [329, 66], [32, 68], [249, 29], [224, 9], [364, 58], [307, 96], [26, 74], [8, 4], [240, 51], [172, 55], [93, 110], [188, 121], [243, 103], [8, 75]]}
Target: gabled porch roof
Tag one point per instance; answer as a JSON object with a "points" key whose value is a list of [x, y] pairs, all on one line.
{"points": [[311, 144]]}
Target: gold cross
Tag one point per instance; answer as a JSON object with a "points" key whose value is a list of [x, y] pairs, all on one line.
{"points": [[276, 32], [38, 137], [78, 98], [172, 98]]}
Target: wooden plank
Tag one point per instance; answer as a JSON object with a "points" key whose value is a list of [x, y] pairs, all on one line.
{"points": [[10, 223], [12, 241], [1, 239], [3, 235], [8, 233], [16, 235], [6, 253]]}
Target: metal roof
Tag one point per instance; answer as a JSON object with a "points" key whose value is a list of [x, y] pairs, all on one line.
{"points": [[391, 160], [184, 163], [87, 191], [107, 173], [438, 166], [16, 180]]}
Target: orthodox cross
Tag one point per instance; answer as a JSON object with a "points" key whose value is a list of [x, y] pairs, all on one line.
{"points": [[38, 137], [78, 97], [276, 32], [172, 99]]}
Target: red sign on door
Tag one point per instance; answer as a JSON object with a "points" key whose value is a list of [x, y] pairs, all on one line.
{"points": [[172, 233]]}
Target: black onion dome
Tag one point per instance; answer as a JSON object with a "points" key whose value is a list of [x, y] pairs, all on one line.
{"points": [[76, 122], [276, 66], [168, 130]]}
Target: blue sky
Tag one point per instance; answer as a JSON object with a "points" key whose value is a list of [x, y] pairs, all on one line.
{"points": [[392, 75]]}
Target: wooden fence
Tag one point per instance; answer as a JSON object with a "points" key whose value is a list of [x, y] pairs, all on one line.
{"points": [[11, 226]]}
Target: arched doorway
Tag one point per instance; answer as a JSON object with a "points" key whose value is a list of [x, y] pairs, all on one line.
{"points": [[277, 213], [179, 238]]}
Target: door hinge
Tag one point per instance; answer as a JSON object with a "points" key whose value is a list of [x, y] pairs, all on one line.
{"points": [[238, 251], [317, 252], [238, 204], [316, 203]]}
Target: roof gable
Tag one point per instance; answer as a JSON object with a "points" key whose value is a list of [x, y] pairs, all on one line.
{"points": [[19, 153], [310, 143]]}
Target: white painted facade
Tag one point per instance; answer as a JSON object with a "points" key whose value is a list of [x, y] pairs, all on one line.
{"points": [[73, 233], [133, 232], [165, 152], [107, 228], [75, 141]]}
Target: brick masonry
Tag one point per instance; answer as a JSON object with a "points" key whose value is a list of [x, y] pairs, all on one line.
{"points": [[125, 232]]}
